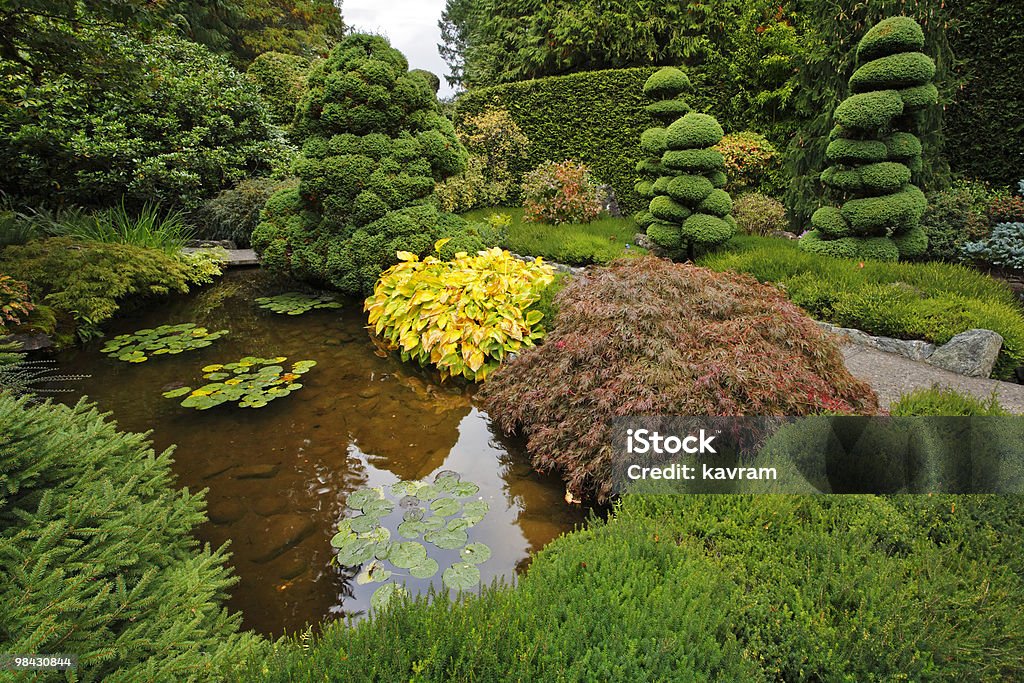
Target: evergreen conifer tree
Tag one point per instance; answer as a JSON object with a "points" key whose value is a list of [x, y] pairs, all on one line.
{"points": [[874, 151], [374, 145]]}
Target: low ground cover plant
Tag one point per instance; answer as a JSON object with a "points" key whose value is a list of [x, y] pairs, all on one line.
{"points": [[646, 336], [462, 316], [762, 588], [930, 301], [943, 401]]}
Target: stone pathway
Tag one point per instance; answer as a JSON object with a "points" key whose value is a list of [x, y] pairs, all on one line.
{"points": [[891, 376]]}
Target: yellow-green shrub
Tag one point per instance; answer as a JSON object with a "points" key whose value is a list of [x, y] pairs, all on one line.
{"points": [[462, 316]]}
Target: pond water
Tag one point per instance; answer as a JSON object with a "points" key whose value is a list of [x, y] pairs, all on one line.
{"points": [[278, 476]]}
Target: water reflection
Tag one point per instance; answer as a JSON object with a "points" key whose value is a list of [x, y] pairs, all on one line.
{"points": [[278, 477]]}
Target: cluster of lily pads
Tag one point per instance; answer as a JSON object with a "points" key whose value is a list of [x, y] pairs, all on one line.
{"points": [[296, 303], [166, 339], [251, 382], [432, 513]]}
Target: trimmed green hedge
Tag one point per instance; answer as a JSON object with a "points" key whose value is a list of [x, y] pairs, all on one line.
{"points": [[595, 117], [985, 138], [98, 554], [721, 588], [931, 301]]}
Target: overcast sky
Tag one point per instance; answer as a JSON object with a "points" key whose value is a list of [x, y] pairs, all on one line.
{"points": [[410, 25]]}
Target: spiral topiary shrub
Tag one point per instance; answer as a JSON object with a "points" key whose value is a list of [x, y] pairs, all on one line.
{"points": [[664, 88], [691, 212], [374, 145], [645, 336], [682, 175], [874, 152]]}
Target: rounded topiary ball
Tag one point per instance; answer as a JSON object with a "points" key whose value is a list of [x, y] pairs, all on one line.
{"points": [[694, 131]]}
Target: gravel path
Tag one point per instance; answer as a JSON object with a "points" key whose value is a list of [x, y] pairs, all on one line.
{"points": [[891, 376]]}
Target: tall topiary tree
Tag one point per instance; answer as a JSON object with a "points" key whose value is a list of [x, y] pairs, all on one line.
{"points": [[874, 151], [664, 88], [689, 211], [374, 145]]}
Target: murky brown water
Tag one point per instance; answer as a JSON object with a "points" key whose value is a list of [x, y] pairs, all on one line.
{"points": [[278, 476]]}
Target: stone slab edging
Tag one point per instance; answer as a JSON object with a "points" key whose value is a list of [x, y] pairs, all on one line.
{"points": [[972, 353]]}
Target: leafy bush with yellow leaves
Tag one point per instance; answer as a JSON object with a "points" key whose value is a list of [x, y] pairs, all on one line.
{"points": [[462, 316]]}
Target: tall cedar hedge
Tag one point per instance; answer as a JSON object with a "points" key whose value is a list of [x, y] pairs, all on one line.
{"points": [[98, 555], [594, 116], [984, 127]]}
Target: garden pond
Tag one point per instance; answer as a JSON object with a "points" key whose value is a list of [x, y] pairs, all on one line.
{"points": [[279, 476]]}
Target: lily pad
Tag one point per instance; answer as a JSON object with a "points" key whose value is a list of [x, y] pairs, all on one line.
{"points": [[403, 488], [448, 539], [383, 595], [378, 534], [166, 339], [425, 569], [355, 551], [408, 554], [413, 515], [373, 573], [251, 382], [296, 303], [357, 499], [378, 508], [411, 529], [445, 507], [475, 553], [462, 576], [464, 489], [474, 511], [433, 523], [364, 523], [459, 524]]}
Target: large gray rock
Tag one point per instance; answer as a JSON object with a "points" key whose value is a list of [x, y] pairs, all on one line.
{"points": [[912, 349], [972, 353]]}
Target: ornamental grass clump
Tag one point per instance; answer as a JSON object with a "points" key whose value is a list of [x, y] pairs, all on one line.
{"points": [[645, 336], [462, 316]]}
